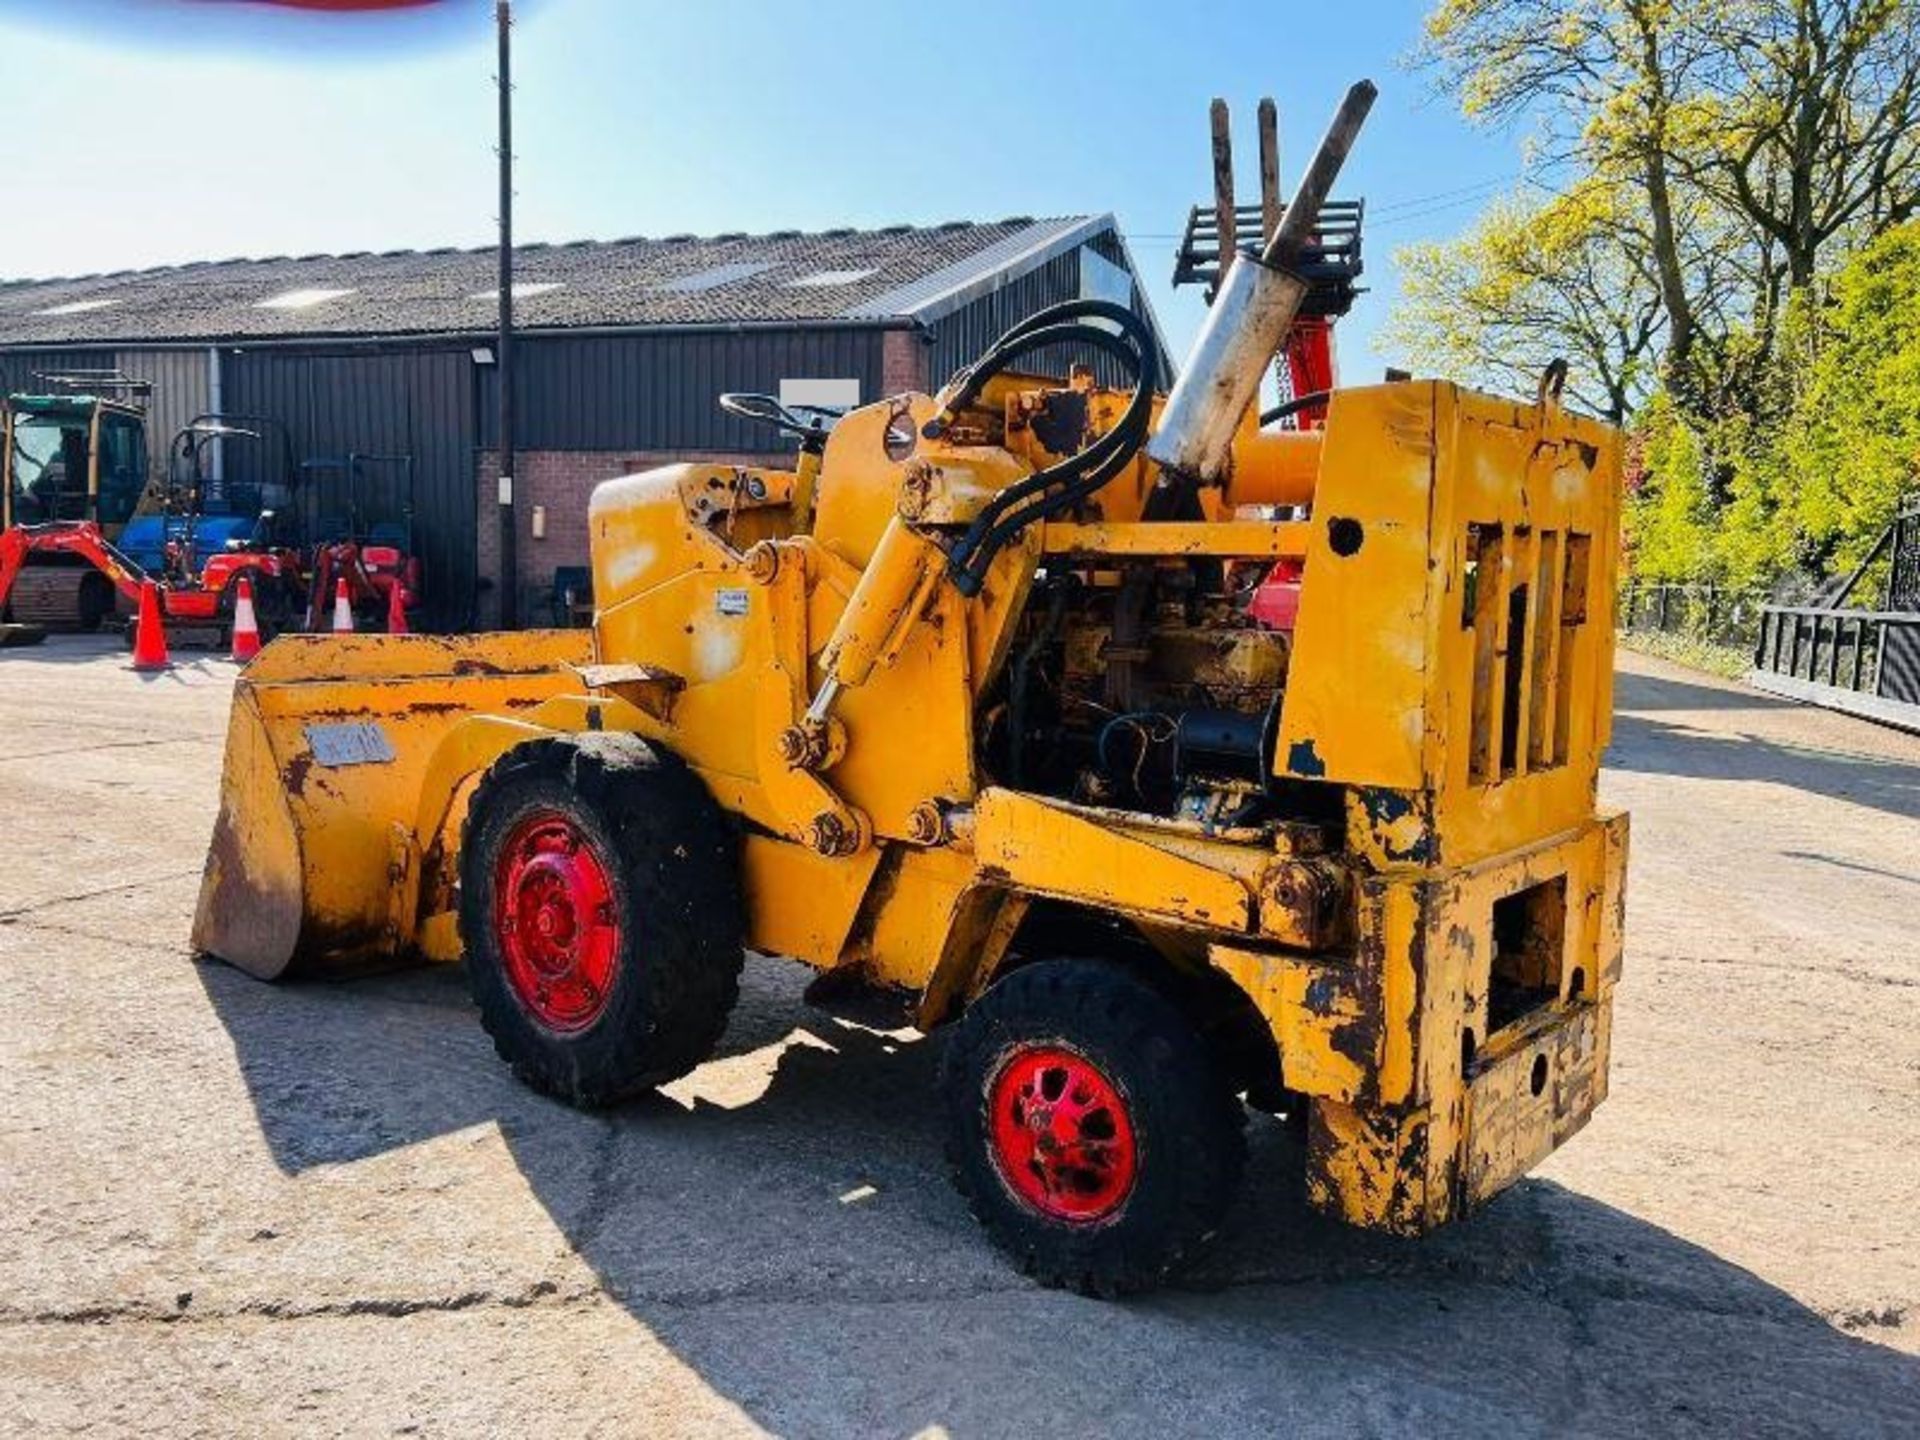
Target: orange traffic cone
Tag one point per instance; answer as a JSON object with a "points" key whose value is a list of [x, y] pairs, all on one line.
{"points": [[342, 608], [246, 629], [397, 609], [149, 638]]}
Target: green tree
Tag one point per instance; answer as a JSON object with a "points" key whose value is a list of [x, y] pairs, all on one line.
{"points": [[1804, 485], [1757, 134], [1607, 81], [1811, 125], [1763, 159], [1669, 516], [1533, 281], [1850, 454]]}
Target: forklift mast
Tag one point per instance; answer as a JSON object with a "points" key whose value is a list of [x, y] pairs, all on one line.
{"points": [[1330, 264]]}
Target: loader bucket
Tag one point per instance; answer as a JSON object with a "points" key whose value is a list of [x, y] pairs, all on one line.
{"points": [[314, 861]]}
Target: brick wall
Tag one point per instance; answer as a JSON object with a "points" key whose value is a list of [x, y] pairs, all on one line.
{"points": [[903, 363], [561, 481]]}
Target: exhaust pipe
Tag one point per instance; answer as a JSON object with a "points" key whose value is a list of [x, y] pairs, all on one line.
{"points": [[1251, 314]]}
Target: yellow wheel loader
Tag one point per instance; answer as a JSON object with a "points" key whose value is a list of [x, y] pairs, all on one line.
{"points": [[968, 707]]}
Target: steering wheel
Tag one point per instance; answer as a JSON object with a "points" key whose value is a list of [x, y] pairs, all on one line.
{"points": [[808, 423]]}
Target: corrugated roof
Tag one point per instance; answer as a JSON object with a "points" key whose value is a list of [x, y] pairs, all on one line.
{"points": [[953, 284], [901, 271]]}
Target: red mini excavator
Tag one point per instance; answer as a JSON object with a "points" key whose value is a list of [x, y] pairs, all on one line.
{"points": [[1330, 265], [228, 512], [73, 472], [85, 528], [360, 523]]}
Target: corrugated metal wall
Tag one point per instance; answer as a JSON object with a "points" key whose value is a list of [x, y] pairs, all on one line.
{"points": [[960, 338], [1107, 245], [179, 379], [19, 369], [180, 392], [416, 402], [659, 391], [179, 384]]}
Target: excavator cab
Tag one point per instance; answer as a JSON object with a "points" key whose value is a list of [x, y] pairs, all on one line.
{"points": [[74, 462], [74, 457]]}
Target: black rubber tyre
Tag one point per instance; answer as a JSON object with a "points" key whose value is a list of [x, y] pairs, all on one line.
{"points": [[1187, 1127], [276, 605], [95, 601], [279, 610], [671, 865]]}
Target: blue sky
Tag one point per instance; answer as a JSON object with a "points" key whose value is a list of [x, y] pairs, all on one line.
{"points": [[171, 130]]}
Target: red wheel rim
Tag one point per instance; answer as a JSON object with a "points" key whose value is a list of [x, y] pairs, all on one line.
{"points": [[558, 926], [1061, 1134]]}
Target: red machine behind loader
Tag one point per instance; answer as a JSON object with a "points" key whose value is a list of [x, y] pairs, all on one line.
{"points": [[215, 527], [360, 524], [1330, 264], [86, 529], [73, 473]]}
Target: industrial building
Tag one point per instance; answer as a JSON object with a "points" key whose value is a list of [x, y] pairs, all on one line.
{"points": [[621, 348]]}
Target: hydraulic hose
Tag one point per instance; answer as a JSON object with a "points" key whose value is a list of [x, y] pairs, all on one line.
{"points": [[1070, 481], [1076, 483], [967, 385], [1294, 406]]}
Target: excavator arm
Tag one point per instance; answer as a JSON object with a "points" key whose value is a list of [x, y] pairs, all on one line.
{"points": [[60, 537]]}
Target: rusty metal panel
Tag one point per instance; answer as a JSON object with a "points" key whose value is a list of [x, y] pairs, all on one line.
{"points": [[1022, 841], [331, 749], [1533, 1095], [1324, 1011]]}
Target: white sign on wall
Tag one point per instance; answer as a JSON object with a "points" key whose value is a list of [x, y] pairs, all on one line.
{"points": [[830, 394], [1101, 279]]}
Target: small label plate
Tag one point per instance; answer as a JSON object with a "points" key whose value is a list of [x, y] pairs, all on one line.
{"points": [[730, 602], [354, 742]]}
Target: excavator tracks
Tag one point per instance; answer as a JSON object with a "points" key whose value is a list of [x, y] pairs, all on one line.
{"points": [[61, 599]]}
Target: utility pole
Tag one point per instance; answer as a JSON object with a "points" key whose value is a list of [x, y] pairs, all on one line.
{"points": [[509, 533]]}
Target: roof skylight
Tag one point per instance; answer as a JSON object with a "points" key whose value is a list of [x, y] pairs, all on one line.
{"points": [[77, 307], [718, 275], [521, 292], [821, 279], [301, 299]]}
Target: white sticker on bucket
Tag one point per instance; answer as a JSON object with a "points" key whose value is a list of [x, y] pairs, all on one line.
{"points": [[353, 742], [731, 602]]}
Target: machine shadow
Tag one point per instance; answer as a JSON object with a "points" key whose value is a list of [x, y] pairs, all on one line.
{"points": [[1657, 747], [796, 1242], [1646, 744], [1635, 691]]}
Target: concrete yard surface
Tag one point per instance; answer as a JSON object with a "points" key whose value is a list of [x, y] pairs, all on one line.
{"points": [[234, 1208]]}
